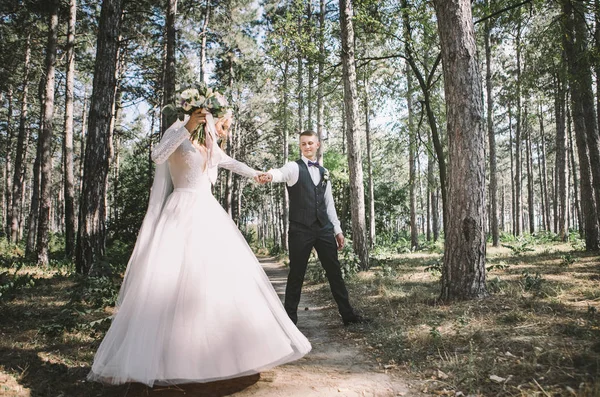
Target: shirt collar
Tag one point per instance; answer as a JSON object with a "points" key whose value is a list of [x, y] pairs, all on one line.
{"points": [[306, 160]]}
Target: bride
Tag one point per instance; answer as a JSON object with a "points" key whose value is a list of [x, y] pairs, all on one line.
{"points": [[195, 304]]}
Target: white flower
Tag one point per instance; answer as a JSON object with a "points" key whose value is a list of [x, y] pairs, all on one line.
{"points": [[199, 101], [189, 93], [187, 106], [222, 100]]}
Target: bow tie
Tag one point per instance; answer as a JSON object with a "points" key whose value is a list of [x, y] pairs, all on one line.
{"points": [[313, 163]]}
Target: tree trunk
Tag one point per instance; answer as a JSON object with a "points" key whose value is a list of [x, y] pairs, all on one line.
{"points": [[357, 197], [369, 164], [311, 70], [463, 275], [300, 71], [529, 165], [34, 210], [7, 197], [203, 74], [491, 136], [228, 202], [69, 177], [542, 158], [320, 82], [560, 164], [584, 120], [581, 72], [23, 137], [518, 139], [46, 140], [513, 188], [571, 148], [285, 149], [426, 85], [412, 163], [169, 74], [92, 226]]}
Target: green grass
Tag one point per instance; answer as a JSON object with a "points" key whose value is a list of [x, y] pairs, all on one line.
{"points": [[540, 327]]}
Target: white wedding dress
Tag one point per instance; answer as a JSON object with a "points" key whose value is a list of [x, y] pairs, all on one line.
{"points": [[195, 304]]}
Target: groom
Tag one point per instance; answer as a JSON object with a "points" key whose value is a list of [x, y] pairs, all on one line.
{"points": [[313, 224]]}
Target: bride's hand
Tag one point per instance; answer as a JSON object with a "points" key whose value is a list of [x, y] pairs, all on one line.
{"points": [[196, 118]]}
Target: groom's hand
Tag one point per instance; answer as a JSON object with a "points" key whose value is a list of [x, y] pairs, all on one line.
{"points": [[340, 241], [263, 178]]}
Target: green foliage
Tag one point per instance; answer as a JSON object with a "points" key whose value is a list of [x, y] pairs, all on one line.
{"points": [[530, 282], [131, 199], [520, 247], [12, 284], [567, 260]]}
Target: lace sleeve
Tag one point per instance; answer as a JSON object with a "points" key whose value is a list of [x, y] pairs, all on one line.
{"points": [[235, 166], [170, 141]]}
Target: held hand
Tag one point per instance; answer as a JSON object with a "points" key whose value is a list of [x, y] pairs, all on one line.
{"points": [[339, 238], [263, 178], [196, 118]]}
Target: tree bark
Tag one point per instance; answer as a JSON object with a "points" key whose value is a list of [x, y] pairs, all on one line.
{"points": [[463, 275], [412, 139], [529, 165], [203, 74], [584, 120], [544, 171], [372, 235], [286, 148], [7, 196], [69, 177], [320, 82], [46, 139], [357, 197], [491, 135], [579, 215], [23, 137], [169, 80], [518, 227], [560, 163], [34, 210], [92, 224]]}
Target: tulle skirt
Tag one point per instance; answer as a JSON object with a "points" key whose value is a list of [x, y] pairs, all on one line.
{"points": [[195, 306]]}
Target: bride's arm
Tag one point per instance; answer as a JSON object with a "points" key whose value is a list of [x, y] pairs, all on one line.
{"points": [[236, 166], [170, 141]]}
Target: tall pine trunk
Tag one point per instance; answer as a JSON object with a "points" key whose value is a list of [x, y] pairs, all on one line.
{"points": [[463, 275], [560, 164], [69, 177], [584, 120], [518, 227], [491, 136], [7, 197], [92, 226], [357, 195], [169, 73], [369, 164], [46, 139], [19, 172]]}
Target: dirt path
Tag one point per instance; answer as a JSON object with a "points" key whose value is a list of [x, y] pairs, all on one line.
{"points": [[333, 368]]}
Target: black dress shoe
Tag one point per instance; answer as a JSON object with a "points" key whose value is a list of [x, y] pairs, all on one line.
{"points": [[357, 319]]}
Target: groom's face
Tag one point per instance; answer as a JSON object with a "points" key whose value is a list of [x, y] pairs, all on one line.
{"points": [[309, 145]]}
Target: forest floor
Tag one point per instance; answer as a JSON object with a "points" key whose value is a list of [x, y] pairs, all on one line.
{"points": [[537, 334], [47, 344]]}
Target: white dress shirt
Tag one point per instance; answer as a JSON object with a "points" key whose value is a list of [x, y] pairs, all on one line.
{"points": [[290, 172]]}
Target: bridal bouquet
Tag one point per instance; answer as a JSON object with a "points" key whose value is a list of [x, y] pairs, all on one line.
{"points": [[199, 97]]}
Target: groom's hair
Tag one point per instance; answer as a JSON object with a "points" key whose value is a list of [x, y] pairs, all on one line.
{"points": [[310, 133]]}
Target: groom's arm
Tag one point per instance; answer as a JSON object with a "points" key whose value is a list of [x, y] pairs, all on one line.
{"points": [[331, 213], [288, 174]]}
